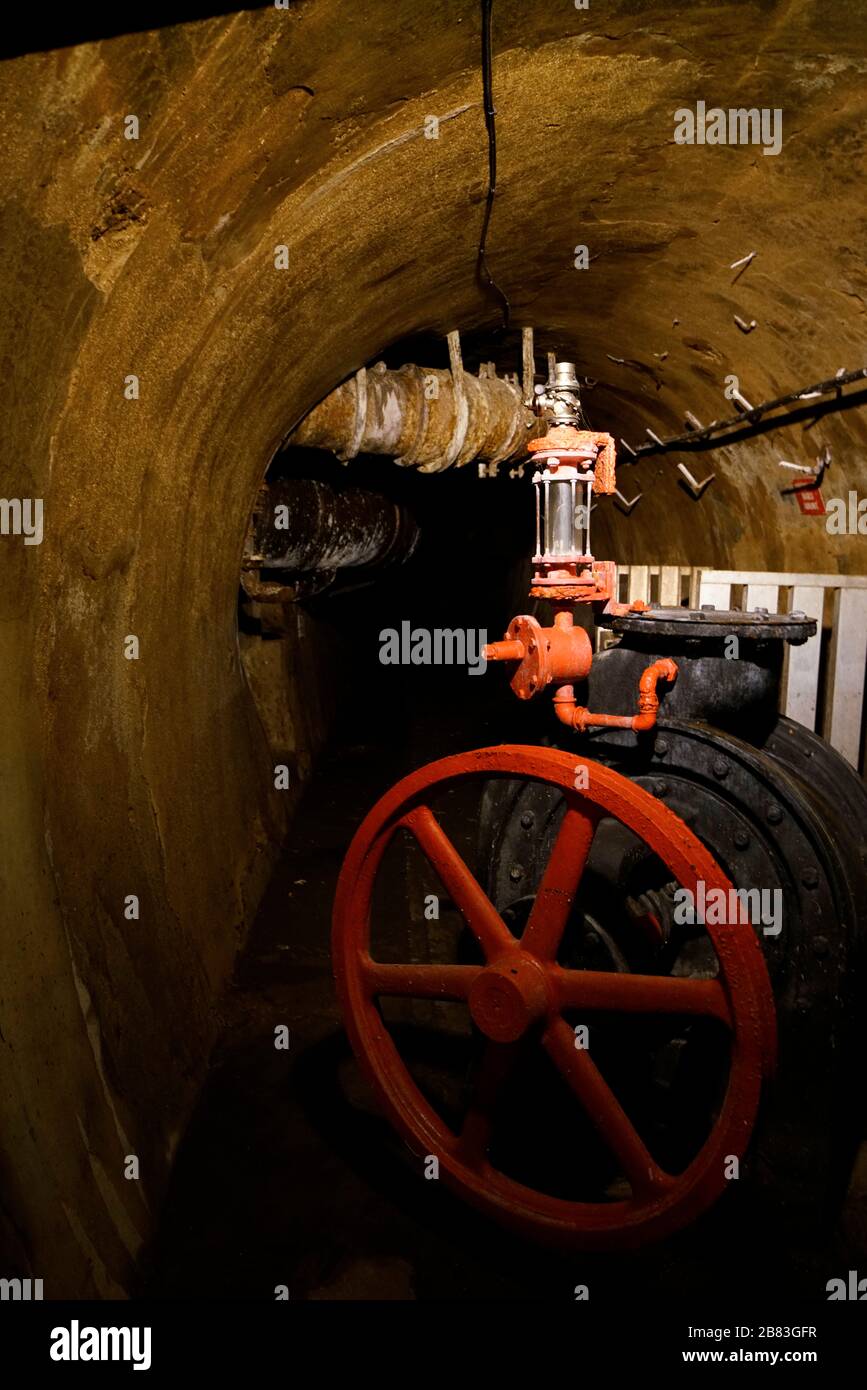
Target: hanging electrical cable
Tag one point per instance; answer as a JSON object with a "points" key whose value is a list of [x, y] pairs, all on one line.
{"points": [[751, 422], [482, 270]]}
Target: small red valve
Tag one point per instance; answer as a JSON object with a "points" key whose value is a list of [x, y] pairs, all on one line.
{"points": [[546, 655], [572, 464], [562, 654]]}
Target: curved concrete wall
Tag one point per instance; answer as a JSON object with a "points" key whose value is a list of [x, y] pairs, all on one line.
{"points": [[156, 257]]}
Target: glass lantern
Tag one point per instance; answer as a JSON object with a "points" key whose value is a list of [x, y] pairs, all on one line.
{"points": [[563, 494]]}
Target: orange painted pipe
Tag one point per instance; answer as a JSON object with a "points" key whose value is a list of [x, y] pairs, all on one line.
{"points": [[504, 651], [578, 717]]}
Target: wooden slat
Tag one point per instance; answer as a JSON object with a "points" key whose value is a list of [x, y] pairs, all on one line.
{"points": [[717, 594], [739, 594], [802, 677], [669, 586], [848, 661], [762, 595], [825, 581], [694, 587], [639, 583]]}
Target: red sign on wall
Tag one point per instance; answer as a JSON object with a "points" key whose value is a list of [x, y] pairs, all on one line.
{"points": [[810, 500]]}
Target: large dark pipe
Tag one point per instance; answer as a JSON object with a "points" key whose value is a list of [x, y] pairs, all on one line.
{"points": [[305, 526]]}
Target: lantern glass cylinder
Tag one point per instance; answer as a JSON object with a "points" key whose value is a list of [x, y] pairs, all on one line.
{"points": [[559, 517], [560, 513]]}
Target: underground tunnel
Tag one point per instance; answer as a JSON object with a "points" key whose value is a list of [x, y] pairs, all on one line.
{"points": [[433, 651]]}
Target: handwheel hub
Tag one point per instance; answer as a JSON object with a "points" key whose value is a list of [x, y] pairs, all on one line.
{"points": [[508, 997]]}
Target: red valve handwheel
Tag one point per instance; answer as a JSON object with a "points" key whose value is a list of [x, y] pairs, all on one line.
{"points": [[521, 991]]}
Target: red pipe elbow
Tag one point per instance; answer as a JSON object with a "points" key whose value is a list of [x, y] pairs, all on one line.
{"points": [[578, 718]]}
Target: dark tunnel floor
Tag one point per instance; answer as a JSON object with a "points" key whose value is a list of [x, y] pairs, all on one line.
{"points": [[288, 1176]]}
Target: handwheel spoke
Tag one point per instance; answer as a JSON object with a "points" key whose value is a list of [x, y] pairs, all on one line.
{"points": [[497, 1062], [547, 921], [604, 1110], [420, 981], [476, 908], [640, 994]]}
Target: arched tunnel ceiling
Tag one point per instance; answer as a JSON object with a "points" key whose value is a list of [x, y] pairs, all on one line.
{"points": [[304, 127]]}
